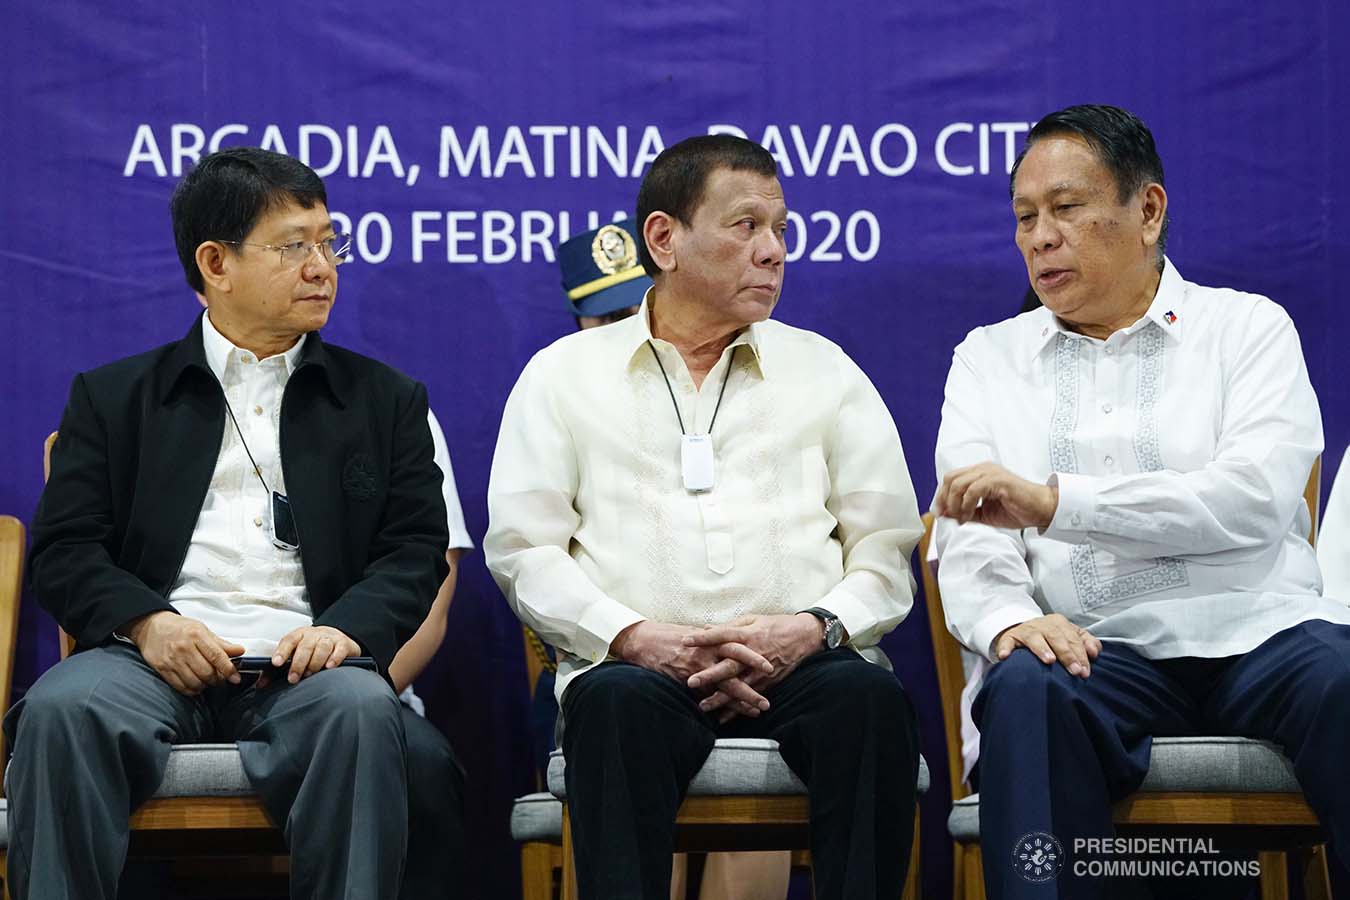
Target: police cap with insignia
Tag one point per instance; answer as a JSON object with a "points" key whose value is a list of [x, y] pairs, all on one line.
{"points": [[600, 270]]}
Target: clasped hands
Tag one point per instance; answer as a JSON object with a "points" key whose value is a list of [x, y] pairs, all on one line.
{"points": [[191, 658], [729, 664]]}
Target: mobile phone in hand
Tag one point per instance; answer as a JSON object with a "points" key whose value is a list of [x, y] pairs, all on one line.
{"points": [[254, 664], [260, 664]]}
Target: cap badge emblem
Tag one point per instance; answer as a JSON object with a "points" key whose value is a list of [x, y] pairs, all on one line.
{"points": [[613, 250]]}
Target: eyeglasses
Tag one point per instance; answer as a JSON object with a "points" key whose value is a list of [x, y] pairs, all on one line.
{"points": [[333, 249]]}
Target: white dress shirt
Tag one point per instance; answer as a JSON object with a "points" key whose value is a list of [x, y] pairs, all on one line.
{"points": [[1333, 540], [591, 528], [454, 513], [454, 520], [1181, 446], [234, 579]]}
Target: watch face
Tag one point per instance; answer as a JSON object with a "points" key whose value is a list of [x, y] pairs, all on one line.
{"points": [[834, 633]]}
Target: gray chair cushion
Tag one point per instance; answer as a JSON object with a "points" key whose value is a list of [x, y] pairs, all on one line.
{"points": [[537, 817], [204, 770], [739, 766], [1219, 764], [194, 770], [1193, 764], [964, 822]]}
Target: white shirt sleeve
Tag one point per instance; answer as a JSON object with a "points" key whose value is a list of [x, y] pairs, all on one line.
{"points": [[872, 499], [1333, 541], [1243, 500], [454, 514], [985, 583], [532, 520]]}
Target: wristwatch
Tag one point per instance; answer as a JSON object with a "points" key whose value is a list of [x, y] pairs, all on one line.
{"points": [[834, 629]]}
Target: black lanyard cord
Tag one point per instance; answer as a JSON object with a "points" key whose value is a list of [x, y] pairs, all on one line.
{"points": [[256, 471], [673, 402]]}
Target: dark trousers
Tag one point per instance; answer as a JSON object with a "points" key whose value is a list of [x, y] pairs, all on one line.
{"points": [[435, 866], [634, 738], [1056, 751], [91, 742]]}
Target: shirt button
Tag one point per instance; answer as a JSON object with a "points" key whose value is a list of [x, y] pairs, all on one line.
{"points": [[1109, 460], [1110, 351], [257, 520], [1106, 408], [246, 358], [257, 410]]}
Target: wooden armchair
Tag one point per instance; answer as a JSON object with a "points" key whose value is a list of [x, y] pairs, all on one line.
{"points": [[11, 587], [1265, 803], [536, 819], [205, 807], [744, 798]]}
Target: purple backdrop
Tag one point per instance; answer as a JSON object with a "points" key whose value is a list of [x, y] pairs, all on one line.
{"points": [[521, 119]]}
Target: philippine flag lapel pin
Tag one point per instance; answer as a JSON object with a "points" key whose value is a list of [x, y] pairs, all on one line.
{"points": [[1171, 317]]}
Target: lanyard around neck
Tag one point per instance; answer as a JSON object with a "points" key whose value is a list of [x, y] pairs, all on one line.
{"points": [[256, 471], [673, 402], [281, 519]]}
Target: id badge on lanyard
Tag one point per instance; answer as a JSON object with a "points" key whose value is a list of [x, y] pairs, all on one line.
{"points": [[697, 464], [698, 468], [284, 534]]}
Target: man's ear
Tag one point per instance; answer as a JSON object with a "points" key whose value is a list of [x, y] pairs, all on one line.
{"points": [[214, 266], [1154, 210], [659, 233]]}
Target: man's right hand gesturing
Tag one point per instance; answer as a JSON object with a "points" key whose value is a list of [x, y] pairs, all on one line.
{"points": [[183, 651]]}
